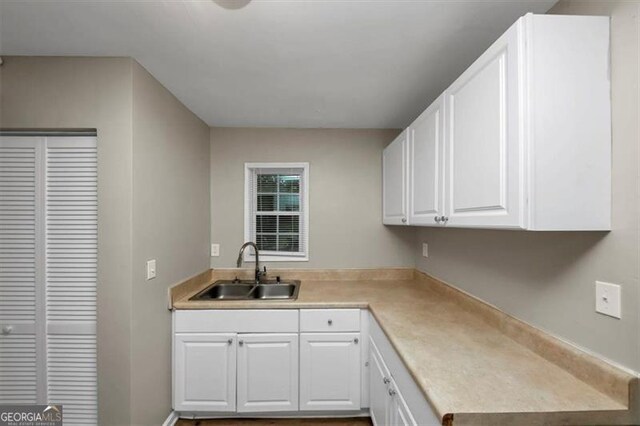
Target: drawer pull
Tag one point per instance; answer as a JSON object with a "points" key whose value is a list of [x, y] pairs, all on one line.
{"points": [[386, 380], [330, 322], [392, 392], [240, 342], [356, 340]]}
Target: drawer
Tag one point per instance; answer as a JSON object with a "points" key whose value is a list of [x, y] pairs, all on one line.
{"points": [[330, 320], [236, 321]]}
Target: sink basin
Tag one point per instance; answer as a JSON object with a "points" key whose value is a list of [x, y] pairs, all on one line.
{"points": [[247, 290], [225, 290], [275, 291]]}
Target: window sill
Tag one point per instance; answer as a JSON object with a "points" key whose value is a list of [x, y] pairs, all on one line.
{"points": [[267, 258]]}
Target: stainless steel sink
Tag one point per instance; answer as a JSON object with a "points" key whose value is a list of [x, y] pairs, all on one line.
{"points": [[248, 290], [225, 290], [276, 291]]}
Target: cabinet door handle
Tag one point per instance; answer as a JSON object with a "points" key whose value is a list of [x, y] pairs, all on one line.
{"points": [[385, 380], [356, 340], [445, 219], [392, 392], [330, 322], [404, 220], [437, 219], [230, 341], [240, 342]]}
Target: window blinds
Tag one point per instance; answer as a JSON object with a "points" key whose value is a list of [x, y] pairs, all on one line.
{"points": [[276, 201]]}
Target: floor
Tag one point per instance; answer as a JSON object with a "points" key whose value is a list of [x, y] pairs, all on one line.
{"points": [[357, 421]]}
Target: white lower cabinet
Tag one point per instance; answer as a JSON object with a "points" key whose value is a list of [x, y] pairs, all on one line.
{"points": [[399, 414], [291, 364], [394, 397], [205, 372], [388, 407], [267, 372], [330, 371], [379, 379]]}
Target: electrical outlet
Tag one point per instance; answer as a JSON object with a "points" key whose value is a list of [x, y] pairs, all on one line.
{"points": [[425, 250], [608, 299], [151, 269], [215, 250]]}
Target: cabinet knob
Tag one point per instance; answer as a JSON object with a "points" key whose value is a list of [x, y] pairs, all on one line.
{"points": [[437, 219], [445, 219], [240, 342], [230, 341], [404, 220], [7, 329], [386, 380], [330, 322], [356, 340], [392, 392]]}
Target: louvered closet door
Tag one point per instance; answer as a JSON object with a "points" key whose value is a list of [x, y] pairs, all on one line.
{"points": [[20, 185], [48, 266], [71, 273]]}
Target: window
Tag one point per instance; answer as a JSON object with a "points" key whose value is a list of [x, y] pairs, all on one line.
{"points": [[277, 210]]}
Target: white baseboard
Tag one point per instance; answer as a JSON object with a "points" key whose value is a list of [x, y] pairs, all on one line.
{"points": [[271, 415], [172, 419]]}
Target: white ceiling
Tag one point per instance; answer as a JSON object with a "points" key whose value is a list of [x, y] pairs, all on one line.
{"points": [[334, 64]]}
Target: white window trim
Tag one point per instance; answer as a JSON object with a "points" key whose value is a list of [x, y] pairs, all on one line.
{"points": [[304, 191]]}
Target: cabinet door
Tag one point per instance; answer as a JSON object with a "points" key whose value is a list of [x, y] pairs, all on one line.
{"points": [[379, 378], [267, 372], [394, 182], [205, 372], [330, 371], [484, 150], [399, 414], [426, 142]]}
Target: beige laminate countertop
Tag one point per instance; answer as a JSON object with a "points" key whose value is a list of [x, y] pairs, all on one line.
{"points": [[467, 368]]}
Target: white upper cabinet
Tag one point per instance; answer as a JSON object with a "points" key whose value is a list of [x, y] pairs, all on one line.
{"points": [[521, 140], [425, 154], [394, 181], [483, 142]]}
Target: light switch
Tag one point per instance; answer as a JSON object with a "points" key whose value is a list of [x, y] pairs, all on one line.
{"points": [[215, 250], [151, 269], [425, 250], [608, 299]]}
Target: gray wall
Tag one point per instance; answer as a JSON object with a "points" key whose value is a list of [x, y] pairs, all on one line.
{"points": [[91, 93], [170, 224], [547, 279], [153, 197], [345, 193]]}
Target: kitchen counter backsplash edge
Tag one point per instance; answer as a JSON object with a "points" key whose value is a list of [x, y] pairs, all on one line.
{"points": [[619, 384]]}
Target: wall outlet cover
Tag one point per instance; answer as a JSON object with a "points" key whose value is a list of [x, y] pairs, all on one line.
{"points": [[215, 250], [151, 269], [425, 250], [608, 299]]}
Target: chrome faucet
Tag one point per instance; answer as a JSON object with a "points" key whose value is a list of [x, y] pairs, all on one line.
{"points": [[255, 248]]}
